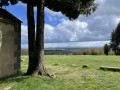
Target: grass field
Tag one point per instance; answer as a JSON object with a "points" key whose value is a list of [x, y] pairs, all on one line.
{"points": [[67, 75]]}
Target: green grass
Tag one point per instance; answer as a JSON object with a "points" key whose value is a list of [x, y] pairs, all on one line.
{"points": [[67, 76]]}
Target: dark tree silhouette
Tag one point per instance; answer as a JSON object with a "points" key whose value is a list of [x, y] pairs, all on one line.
{"points": [[6, 2], [70, 8], [115, 40], [31, 36], [106, 49]]}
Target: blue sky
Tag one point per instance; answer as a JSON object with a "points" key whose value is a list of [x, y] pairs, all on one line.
{"points": [[91, 31]]}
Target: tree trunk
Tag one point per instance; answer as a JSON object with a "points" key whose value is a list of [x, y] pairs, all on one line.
{"points": [[39, 45], [31, 37], [107, 53]]}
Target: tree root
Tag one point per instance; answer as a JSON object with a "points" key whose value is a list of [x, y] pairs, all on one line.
{"points": [[49, 75], [39, 74], [42, 73], [45, 73]]}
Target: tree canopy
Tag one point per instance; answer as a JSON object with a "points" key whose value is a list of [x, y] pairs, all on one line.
{"points": [[6, 2], [115, 40], [106, 49], [70, 8]]}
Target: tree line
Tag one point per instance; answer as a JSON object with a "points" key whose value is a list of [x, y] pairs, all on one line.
{"points": [[114, 44], [88, 51]]}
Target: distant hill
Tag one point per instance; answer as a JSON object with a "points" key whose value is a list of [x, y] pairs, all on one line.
{"points": [[24, 51], [50, 51], [71, 51]]}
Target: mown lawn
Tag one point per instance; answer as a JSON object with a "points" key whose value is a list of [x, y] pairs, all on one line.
{"points": [[67, 75]]}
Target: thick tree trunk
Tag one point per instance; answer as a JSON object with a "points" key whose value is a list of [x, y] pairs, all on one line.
{"points": [[39, 51], [31, 37], [107, 53]]}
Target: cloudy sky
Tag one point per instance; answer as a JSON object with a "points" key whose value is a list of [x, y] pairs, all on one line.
{"points": [[91, 31]]}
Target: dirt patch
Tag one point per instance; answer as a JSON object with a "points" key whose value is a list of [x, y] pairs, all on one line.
{"points": [[72, 73], [59, 68], [80, 74], [7, 87]]}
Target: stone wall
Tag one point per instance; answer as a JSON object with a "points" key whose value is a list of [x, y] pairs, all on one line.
{"points": [[10, 48]]}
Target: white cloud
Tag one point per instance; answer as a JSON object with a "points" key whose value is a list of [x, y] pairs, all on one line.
{"points": [[116, 20], [92, 44], [24, 30], [52, 13], [66, 31], [21, 4], [76, 44], [97, 27], [24, 34], [25, 46]]}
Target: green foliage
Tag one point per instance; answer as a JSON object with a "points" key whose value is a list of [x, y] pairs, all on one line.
{"points": [[90, 51], [70, 8], [106, 49], [67, 76], [6, 2], [115, 40]]}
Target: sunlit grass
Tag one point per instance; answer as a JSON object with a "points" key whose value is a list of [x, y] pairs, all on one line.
{"points": [[67, 75]]}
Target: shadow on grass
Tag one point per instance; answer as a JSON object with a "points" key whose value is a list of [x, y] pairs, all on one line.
{"points": [[14, 78]]}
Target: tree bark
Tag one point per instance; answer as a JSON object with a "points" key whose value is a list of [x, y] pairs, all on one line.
{"points": [[31, 37], [39, 68]]}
